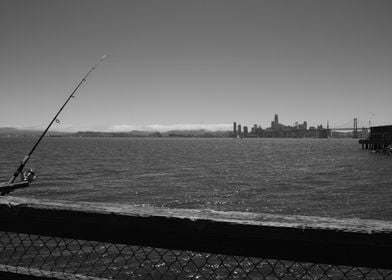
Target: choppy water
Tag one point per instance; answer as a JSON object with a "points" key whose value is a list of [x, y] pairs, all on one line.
{"points": [[318, 177]]}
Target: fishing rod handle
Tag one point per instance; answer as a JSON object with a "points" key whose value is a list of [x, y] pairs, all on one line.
{"points": [[19, 170]]}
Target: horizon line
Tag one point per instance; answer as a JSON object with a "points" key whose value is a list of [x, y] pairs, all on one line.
{"points": [[127, 128], [146, 128]]}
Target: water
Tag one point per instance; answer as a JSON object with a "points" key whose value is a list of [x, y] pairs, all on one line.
{"points": [[317, 177]]}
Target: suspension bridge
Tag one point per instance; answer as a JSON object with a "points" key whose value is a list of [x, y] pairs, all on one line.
{"points": [[351, 125]]}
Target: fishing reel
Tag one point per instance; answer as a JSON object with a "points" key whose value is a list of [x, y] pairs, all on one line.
{"points": [[28, 175]]}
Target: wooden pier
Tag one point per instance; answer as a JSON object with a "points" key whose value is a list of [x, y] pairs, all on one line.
{"points": [[379, 139]]}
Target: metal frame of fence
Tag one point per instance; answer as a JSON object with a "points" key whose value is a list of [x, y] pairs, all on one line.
{"points": [[66, 240]]}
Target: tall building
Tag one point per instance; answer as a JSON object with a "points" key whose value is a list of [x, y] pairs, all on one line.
{"points": [[245, 131], [234, 129], [328, 130], [239, 131], [275, 122]]}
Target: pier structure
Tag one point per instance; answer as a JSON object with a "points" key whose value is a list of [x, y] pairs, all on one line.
{"points": [[380, 137]]}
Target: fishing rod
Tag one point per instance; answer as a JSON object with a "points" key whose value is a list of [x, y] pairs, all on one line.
{"points": [[29, 176]]}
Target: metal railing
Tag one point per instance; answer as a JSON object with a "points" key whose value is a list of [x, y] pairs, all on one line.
{"points": [[40, 239]]}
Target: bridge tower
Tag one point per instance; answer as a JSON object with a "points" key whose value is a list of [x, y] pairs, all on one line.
{"points": [[355, 130]]}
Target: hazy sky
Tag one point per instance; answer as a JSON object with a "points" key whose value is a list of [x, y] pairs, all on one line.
{"points": [[195, 62]]}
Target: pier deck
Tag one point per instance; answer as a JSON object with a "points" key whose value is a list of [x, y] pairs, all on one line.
{"points": [[380, 137]]}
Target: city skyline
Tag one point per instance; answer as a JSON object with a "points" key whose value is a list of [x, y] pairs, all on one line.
{"points": [[275, 124], [200, 64]]}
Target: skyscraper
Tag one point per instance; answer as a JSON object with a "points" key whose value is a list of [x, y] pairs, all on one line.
{"points": [[234, 129], [276, 122]]}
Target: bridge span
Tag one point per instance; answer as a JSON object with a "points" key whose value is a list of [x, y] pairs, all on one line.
{"points": [[349, 128], [354, 128]]}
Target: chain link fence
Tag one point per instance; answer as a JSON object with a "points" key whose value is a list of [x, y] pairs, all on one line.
{"points": [[64, 258]]}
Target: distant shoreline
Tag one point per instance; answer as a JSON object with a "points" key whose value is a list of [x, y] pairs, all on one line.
{"points": [[153, 135], [201, 133]]}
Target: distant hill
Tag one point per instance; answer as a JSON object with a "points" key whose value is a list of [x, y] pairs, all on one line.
{"points": [[200, 133], [138, 133], [134, 133], [15, 132], [7, 130], [196, 133]]}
